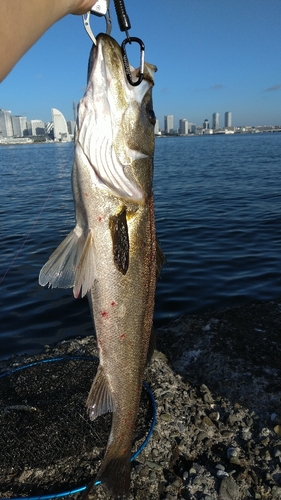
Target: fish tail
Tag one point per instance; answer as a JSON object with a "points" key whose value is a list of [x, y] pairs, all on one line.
{"points": [[115, 475]]}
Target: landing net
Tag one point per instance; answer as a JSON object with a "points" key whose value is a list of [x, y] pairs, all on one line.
{"points": [[49, 448]]}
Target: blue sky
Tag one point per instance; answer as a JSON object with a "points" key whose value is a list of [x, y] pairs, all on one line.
{"points": [[212, 56]]}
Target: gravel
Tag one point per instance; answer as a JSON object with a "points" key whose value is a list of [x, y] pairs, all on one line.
{"points": [[216, 381]]}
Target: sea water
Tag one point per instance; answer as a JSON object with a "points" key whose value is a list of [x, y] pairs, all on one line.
{"points": [[218, 216]]}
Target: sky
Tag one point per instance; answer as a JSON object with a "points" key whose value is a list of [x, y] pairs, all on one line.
{"points": [[212, 56]]}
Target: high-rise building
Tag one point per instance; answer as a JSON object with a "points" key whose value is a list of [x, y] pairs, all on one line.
{"points": [[216, 121], [191, 128], [183, 126], [228, 119], [19, 126], [35, 127], [74, 110], [6, 126], [206, 124], [156, 128], [169, 124], [60, 126], [71, 127]]}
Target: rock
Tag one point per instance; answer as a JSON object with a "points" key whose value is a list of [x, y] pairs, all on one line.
{"points": [[229, 489], [227, 392], [277, 429]]}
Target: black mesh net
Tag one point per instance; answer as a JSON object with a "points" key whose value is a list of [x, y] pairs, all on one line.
{"points": [[48, 445]]}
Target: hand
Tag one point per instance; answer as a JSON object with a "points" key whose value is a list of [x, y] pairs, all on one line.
{"points": [[18, 27], [82, 6]]}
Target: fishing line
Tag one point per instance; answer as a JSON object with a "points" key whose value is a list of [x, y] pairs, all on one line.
{"points": [[38, 217], [80, 489]]}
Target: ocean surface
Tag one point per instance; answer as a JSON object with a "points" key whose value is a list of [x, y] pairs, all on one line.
{"points": [[218, 215]]}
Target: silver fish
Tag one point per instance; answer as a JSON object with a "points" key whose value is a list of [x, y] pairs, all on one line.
{"points": [[111, 254]]}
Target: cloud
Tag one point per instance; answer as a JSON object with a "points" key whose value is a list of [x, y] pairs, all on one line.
{"points": [[275, 87], [217, 86]]}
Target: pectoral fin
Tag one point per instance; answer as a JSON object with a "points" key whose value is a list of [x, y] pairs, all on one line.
{"points": [[85, 274], [72, 264], [59, 271], [120, 240]]}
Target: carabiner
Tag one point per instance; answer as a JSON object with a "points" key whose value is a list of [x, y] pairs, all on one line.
{"points": [[126, 61]]}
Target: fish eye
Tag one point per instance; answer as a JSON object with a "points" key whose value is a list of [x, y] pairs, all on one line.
{"points": [[151, 115]]}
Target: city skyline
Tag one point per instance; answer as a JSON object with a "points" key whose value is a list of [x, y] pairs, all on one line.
{"points": [[60, 129], [17, 126], [221, 55]]}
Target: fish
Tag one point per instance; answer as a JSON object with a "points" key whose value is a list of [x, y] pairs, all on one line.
{"points": [[112, 255]]}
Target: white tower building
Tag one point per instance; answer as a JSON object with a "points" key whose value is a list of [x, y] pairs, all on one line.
{"points": [[60, 126], [6, 127], [19, 126], [169, 124], [156, 128], [35, 127]]}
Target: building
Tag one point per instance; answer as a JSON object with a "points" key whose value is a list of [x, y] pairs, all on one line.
{"points": [[191, 128], [19, 126], [60, 126], [71, 124], [228, 119], [169, 124], [216, 121], [183, 126], [35, 127], [156, 128], [6, 126], [206, 124]]}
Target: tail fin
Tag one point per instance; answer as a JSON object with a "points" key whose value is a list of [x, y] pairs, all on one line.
{"points": [[114, 475]]}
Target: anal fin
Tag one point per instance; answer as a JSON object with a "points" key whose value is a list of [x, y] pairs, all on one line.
{"points": [[99, 400]]}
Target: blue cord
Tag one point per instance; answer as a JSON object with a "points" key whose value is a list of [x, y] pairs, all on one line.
{"points": [[133, 457]]}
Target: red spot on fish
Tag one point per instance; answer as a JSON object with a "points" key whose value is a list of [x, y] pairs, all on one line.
{"points": [[112, 303], [122, 336], [99, 218], [104, 314], [86, 194]]}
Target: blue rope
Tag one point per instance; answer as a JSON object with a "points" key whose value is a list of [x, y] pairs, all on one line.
{"points": [[133, 457]]}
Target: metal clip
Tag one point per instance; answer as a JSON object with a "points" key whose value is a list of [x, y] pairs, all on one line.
{"points": [[101, 8], [126, 61], [87, 26]]}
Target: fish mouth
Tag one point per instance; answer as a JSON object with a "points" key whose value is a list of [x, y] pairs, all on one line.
{"points": [[110, 50], [107, 116]]}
